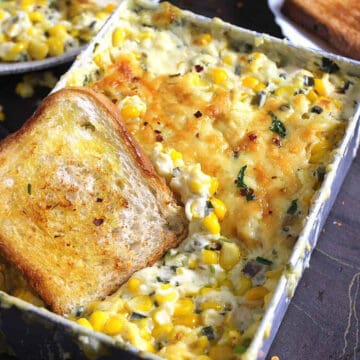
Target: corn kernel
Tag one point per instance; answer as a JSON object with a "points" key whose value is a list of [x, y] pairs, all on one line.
{"points": [[114, 325], [59, 30], [38, 50], [164, 298], [234, 336], [211, 223], [24, 89], [243, 285], [193, 263], [219, 208], [221, 352], [165, 286], [195, 187], [84, 322], [250, 82], [227, 283], [184, 306], [161, 331], [312, 96], [56, 46], [256, 293], [285, 91], [19, 47], [130, 111], [210, 257], [271, 274], [228, 60], [259, 87], [219, 76], [214, 185], [175, 155], [2, 14], [211, 305], [205, 290], [140, 303], [36, 16], [320, 87], [101, 15], [229, 255], [190, 320], [99, 61], [134, 285], [118, 36], [109, 8], [203, 40], [2, 116], [202, 343], [98, 319]]}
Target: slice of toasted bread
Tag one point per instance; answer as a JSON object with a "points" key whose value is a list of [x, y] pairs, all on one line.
{"points": [[335, 21], [81, 206]]}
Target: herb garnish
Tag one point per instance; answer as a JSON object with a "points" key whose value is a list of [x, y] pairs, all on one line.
{"points": [[317, 109], [208, 331], [346, 87], [246, 191], [241, 348], [263, 261], [137, 316], [277, 125], [29, 189], [293, 207], [309, 81], [328, 66]]}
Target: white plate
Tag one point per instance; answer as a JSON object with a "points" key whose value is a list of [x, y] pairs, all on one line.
{"points": [[295, 33]]}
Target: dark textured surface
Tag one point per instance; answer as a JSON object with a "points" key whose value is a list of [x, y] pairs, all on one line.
{"points": [[322, 321]]}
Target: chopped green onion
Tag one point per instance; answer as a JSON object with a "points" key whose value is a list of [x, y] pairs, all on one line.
{"points": [[277, 125], [241, 348], [263, 261], [328, 66], [29, 189], [292, 208]]}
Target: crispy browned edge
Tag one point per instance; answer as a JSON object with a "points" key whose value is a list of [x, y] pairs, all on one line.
{"points": [[177, 225], [347, 44]]}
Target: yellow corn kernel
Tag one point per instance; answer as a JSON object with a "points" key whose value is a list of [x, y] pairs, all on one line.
{"points": [[211, 305], [98, 319], [234, 336], [184, 306], [195, 187], [102, 15], [38, 50], [219, 76], [219, 208], [24, 89], [114, 325], [84, 322], [202, 343], [175, 155], [210, 257], [228, 60], [259, 87], [164, 298], [203, 39], [274, 274], [56, 46], [214, 185], [190, 320], [2, 14], [312, 96], [256, 293], [130, 112], [195, 79], [250, 82], [243, 285], [161, 331], [19, 47], [109, 8], [93, 306], [320, 87], [229, 255], [211, 223], [98, 61], [2, 116], [337, 104], [285, 91], [227, 283], [205, 290], [221, 352], [134, 285], [193, 262], [59, 30], [140, 303], [118, 36], [36, 16], [319, 150], [165, 286]]}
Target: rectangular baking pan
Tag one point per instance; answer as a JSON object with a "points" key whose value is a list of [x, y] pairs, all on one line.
{"points": [[33, 333]]}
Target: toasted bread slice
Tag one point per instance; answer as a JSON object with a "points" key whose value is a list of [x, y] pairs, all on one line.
{"points": [[81, 206], [335, 21]]}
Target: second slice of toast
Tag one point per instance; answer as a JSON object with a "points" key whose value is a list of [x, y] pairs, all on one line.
{"points": [[81, 206]]}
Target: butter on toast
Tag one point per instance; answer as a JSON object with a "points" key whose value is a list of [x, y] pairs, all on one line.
{"points": [[81, 206], [335, 21]]}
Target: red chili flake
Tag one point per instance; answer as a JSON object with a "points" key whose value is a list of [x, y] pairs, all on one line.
{"points": [[99, 200], [243, 192], [270, 212], [159, 138], [276, 141], [114, 101], [146, 123], [274, 177], [98, 222], [198, 114], [199, 68], [197, 135], [157, 131], [252, 137]]}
